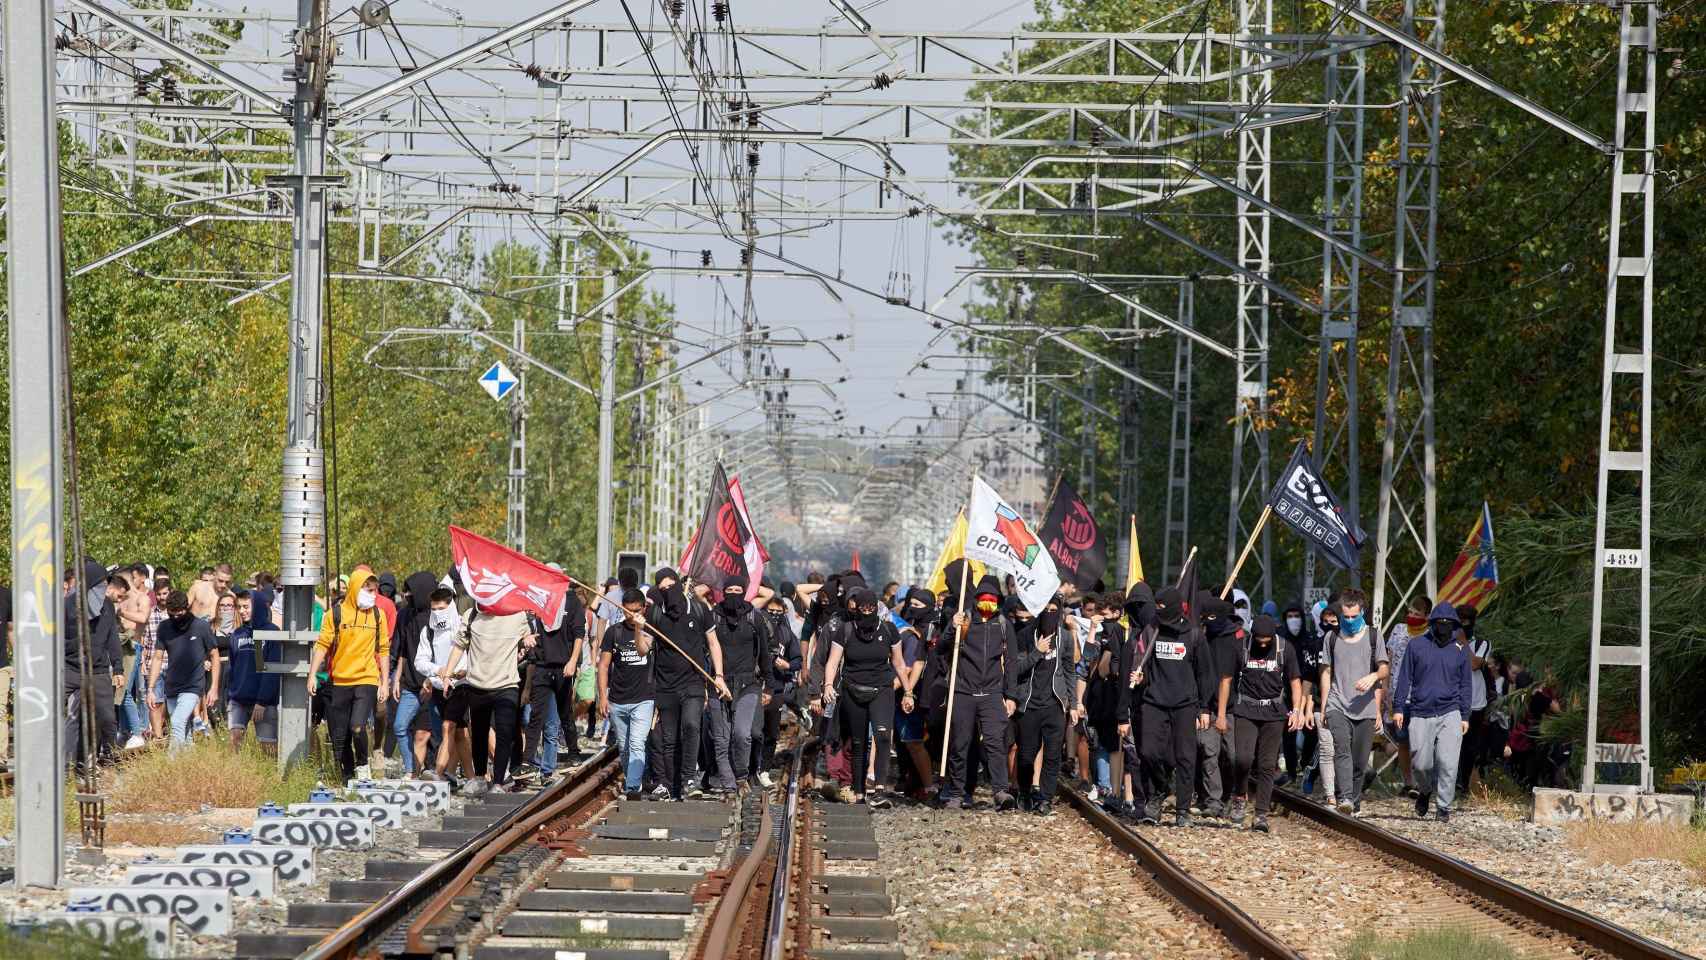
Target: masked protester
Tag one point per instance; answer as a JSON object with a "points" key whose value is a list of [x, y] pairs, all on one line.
{"points": [[1296, 631], [183, 641], [1143, 626], [1326, 625], [1353, 665], [1177, 680], [625, 693], [551, 688], [866, 660], [1267, 669], [984, 697], [1432, 695], [680, 685], [1481, 692], [355, 645], [743, 637], [1414, 624], [1047, 698], [1216, 745], [918, 609]]}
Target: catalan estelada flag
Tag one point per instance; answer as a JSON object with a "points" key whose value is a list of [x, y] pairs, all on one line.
{"points": [[1474, 575]]}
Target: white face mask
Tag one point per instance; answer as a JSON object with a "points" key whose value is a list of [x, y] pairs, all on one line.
{"points": [[1294, 624], [441, 619], [366, 599]]}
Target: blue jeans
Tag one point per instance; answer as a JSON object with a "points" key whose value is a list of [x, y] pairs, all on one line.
{"points": [[183, 715], [131, 716], [1103, 769], [403, 716], [632, 722], [551, 743]]}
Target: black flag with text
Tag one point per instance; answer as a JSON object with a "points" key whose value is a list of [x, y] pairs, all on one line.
{"points": [[1069, 533], [1302, 500]]}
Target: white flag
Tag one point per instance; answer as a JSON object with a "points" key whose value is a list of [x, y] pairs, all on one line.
{"points": [[997, 536]]}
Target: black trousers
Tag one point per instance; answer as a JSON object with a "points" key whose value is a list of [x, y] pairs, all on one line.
{"points": [[1470, 753], [1041, 727], [680, 716], [493, 711], [983, 715], [106, 717], [349, 708], [877, 717], [549, 684], [1257, 745], [1170, 743]]}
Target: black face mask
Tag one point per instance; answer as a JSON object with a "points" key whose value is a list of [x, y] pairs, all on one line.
{"points": [[868, 621], [181, 619], [1048, 622], [732, 602], [917, 615], [1443, 631]]}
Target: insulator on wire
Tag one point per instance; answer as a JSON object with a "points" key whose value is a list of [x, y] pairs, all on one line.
{"points": [[746, 256], [1097, 137], [752, 157], [720, 11], [533, 71], [751, 114], [677, 8], [704, 258], [169, 87], [141, 86], [882, 81]]}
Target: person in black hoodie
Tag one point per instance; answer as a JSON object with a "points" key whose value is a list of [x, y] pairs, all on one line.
{"points": [[781, 680], [406, 681], [680, 687], [1215, 745], [1047, 697], [1266, 671], [984, 695], [1176, 677], [1143, 626], [102, 598], [551, 687], [743, 636]]}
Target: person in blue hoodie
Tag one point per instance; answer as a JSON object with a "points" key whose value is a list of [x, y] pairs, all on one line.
{"points": [[1432, 697], [252, 696]]}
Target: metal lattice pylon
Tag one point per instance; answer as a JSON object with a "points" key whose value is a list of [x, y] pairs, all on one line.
{"points": [[1336, 439], [1176, 536], [1637, 93], [1249, 471], [1405, 550]]}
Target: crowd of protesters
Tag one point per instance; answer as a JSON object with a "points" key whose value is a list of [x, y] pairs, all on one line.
{"points": [[1156, 702]]}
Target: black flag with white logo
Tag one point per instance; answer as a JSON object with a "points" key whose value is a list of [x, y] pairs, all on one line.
{"points": [[1069, 534], [1303, 501]]}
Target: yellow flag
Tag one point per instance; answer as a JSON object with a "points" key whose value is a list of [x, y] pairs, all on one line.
{"points": [[1134, 563], [953, 550]]}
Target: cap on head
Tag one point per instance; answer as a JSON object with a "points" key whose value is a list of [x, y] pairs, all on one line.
{"points": [[1264, 626]]}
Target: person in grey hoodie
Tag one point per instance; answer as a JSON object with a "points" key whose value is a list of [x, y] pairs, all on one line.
{"points": [[1432, 696]]}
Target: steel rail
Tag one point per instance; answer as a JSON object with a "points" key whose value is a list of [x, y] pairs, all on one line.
{"points": [[1238, 927], [1562, 918], [732, 920], [443, 881]]}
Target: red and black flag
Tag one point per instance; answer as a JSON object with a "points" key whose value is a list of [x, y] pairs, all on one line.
{"points": [[717, 555], [1069, 532]]}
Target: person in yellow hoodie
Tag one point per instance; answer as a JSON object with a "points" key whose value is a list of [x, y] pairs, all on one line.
{"points": [[355, 646]]}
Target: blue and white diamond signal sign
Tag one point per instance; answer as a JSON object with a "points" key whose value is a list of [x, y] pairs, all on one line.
{"points": [[498, 380]]}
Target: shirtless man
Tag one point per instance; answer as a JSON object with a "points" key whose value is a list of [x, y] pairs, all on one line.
{"points": [[204, 593]]}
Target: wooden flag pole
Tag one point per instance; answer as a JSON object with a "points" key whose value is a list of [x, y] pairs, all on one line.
{"points": [[1267, 511], [653, 630], [954, 671]]}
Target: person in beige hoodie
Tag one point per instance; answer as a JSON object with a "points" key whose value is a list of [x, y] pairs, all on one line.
{"points": [[485, 661]]}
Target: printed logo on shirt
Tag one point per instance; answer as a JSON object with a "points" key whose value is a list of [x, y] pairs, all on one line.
{"points": [[1271, 664], [1170, 649]]}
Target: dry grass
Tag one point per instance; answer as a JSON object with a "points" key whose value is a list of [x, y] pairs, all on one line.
{"points": [[205, 772], [158, 833], [1434, 944], [1620, 843]]}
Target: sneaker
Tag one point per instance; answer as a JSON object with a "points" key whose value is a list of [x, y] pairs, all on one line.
{"points": [[1095, 794], [764, 778], [878, 800], [1214, 811], [363, 771], [430, 776], [1043, 809], [1309, 783], [1443, 816], [695, 793], [1236, 814], [1182, 819], [1283, 780], [476, 787], [526, 771], [1356, 808], [633, 794], [135, 742], [1260, 825], [1421, 804], [953, 803], [661, 792], [1346, 807], [1005, 801], [1151, 814]]}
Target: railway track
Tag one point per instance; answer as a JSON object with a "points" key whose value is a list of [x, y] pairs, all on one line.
{"points": [[1259, 891], [576, 871]]}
